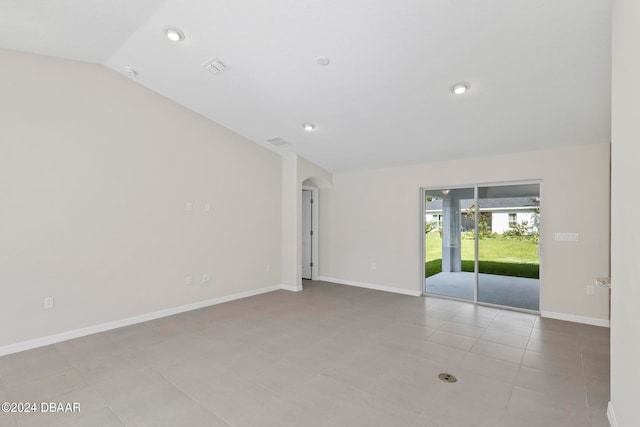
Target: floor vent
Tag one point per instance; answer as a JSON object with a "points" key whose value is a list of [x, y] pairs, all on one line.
{"points": [[448, 378]]}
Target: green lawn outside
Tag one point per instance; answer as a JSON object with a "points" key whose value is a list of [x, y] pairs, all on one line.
{"points": [[496, 256]]}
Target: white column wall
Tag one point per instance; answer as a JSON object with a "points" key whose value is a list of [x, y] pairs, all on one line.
{"points": [[625, 233]]}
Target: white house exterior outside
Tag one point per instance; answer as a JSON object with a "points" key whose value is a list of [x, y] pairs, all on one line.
{"points": [[504, 212], [501, 221]]}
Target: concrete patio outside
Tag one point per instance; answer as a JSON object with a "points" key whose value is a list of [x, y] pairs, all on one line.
{"points": [[507, 291]]}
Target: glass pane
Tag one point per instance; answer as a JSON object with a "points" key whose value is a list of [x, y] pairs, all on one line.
{"points": [[449, 244], [508, 235]]}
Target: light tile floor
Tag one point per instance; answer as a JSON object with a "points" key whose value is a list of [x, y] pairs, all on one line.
{"points": [[331, 355]]}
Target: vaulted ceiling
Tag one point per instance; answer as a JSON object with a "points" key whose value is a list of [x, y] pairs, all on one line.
{"points": [[539, 71]]}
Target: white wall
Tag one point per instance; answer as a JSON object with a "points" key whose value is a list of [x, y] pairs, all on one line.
{"points": [[295, 170], [95, 172], [625, 234], [291, 279], [375, 217]]}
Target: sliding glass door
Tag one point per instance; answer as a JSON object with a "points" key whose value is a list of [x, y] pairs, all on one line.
{"points": [[449, 247], [508, 237], [481, 244]]}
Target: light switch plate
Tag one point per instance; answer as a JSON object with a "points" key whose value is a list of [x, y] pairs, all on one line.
{"points": [[567, 237]]}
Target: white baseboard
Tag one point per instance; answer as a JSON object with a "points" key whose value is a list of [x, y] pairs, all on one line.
{"points": [[577, 319], [291, 288], [612, 417], [77, 333], [371, 286]]}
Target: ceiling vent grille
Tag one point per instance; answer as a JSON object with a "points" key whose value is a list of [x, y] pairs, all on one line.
{"points": [[216, 66], [277, 141]]}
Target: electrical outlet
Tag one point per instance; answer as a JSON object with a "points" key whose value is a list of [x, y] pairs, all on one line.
{"points": [[268, 268], [188, 280], [207, 207], [49, 303], [590, 289], [373, 266], [189, 206], [206, 277]]}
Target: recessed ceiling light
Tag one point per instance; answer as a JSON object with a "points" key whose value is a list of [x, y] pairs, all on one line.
{"points": [[460, 88], [308, 127], [129, 71], [322, 60], [174, 34]]}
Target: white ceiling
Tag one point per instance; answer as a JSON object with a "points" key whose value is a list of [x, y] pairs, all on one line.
{"points": [[539, 70]]}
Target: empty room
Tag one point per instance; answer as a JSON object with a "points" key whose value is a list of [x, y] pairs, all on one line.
{"points": [[319, 213]]}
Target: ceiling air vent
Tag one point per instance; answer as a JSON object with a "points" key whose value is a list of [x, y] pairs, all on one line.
{"points": [[277, 141], [216, 66]]}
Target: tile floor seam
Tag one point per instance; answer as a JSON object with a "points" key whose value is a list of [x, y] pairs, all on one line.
{"points": [[467, 351], [515, 377], [110, 409], [194, 399], [107, 405], [524, 353], [584, 379], [80, 387], [513, 383]]}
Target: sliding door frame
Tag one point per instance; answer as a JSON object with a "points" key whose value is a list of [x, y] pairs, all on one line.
{"points": [[476, 186]]}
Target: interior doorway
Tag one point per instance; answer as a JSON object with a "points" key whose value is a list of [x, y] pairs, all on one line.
{"points": [[481, 244], [307, 234]]}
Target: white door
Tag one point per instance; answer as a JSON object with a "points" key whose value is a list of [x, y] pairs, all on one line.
{"points": [[307, 234]]}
